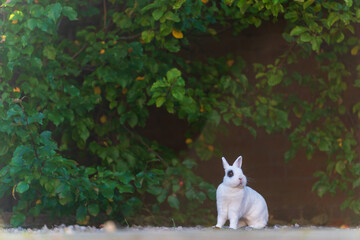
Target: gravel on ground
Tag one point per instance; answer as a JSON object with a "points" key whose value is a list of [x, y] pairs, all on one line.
{"points": [[109, 232]]}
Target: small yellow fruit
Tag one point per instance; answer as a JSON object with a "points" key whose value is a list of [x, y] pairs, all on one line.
{"points": [[14, 21], [177, 33], [339, 140], [102, 51], [204, 1], [97, 90], [188, 141], [230, 62], [140, 78], [124, 91], [355, 50], [211, 148], [103, 119], [16, 89]]}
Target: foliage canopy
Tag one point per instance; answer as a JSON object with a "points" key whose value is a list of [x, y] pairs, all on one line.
{"points": [[77, 79]]}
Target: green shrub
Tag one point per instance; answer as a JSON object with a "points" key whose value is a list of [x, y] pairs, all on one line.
{"points": [[77, 80]]}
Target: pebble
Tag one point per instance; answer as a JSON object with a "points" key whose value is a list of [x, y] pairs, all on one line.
{"points": [[110, 227]]}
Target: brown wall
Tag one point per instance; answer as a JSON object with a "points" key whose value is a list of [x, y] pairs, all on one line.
{"points": [[285, 186]]}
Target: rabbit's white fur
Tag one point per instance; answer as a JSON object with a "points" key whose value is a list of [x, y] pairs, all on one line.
{"points": [[237, 202]]}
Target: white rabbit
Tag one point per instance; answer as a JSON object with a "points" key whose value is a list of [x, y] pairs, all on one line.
{"points": [[237, 202]]}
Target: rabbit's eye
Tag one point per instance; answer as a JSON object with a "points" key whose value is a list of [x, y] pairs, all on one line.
{"points": [[230, 173]]}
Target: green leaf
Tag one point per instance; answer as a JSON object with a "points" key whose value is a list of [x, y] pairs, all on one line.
{"points": [[172, 17], [324, 145], [36, 63], [65, 195], [22, 187], [36, 118], [316, 43], [150, 6], [173, 73], [93, 209], [147, 36], [49, 52], [31, 23], [349, 3], [72, 90], [154, 190], [160, 101], [305, 37], [125, 23], [55, 117], [178, 93], [339, 167], [133, 119], [291, 15], [290, 154], [173, 202], [54, 11], [297, 30], [340, 37], [81, 213], [17, 219], [83, 131], [308, 3], [178, 4], [90, 171], [342, 109], [356, 183], [332, 18], [125, 189], [161, 198], [243, 5], [228, 116], [157, 14], [20, 151], [70, 13], [274, 79], [4, 147], [172, 45], [188, 163], [36, 10], [214, 117]]}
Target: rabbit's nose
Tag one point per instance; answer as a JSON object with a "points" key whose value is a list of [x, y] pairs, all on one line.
{"points": [[240, 179]]}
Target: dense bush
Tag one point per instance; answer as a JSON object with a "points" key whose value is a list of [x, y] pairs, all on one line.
{"points": [[77, 79]]}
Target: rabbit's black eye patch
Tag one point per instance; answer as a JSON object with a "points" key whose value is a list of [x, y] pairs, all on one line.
{"points": [[230, 173]]}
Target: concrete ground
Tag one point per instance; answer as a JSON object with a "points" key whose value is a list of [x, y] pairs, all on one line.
{"points": [[276, 233]]}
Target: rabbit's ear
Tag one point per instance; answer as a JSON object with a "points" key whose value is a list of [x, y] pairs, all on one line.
{"points": [[238, 162], [225, 163]]}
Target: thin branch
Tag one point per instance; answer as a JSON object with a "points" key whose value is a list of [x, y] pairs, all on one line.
{"points": [[137, 138], [19, 101], [78, 52], [105, 13], [286, 55], [130, 37]]}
